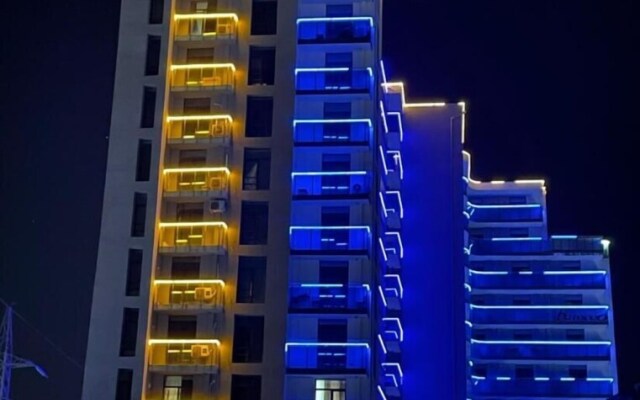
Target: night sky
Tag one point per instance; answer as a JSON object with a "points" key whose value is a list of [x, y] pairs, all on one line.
{"points": [[550, 90]]}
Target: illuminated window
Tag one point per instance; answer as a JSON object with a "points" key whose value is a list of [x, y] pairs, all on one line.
{"points": [[123, 386], [177, 388], [264, 17], [331, 389]]}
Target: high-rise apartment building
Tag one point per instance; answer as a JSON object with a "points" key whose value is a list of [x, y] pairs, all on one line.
{"points": [[280, 223]]}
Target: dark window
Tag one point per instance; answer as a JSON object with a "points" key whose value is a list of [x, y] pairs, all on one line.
{"points": [[123, 386], [143, 166], [257, 169], [178, 387], [336, 60], [519, 232], [139, 218], [185, 267], [575, 335], [522, 334], [339, 10], [339, 110], [155, 11], [192, 158], [252, 273], [524, 372], [134, 272], [246, 387], [129, 333], [578, 371], [152, 64], [254, 222], [203, 55], [148, 107], [521, 301], [259, 116], [262, 65], [248, 340], [334, 216], [182, 327], [480, 370], [332, 331], [189, 212], [264, 17], [197, 105], [573, 299]]}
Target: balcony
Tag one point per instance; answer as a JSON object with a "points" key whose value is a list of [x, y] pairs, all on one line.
{"points": [[193, 237], [391, 164], [391, 292], [189, 129], [539, 350], [190, 182], [543, 387], [332, 132], [392, 134], [391, 379], [329, 240], [537, 245], [327, 358], [340, 80], [505, 213], [191, 77], [392, 210], [336, 30], [559, 280], [561, 315], [194, 294], [391, 335], [328, 298], [201, 26], [330, 185], [184, 356], [392, 250]]}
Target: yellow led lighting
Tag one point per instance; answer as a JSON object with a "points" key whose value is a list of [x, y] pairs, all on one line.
{"points": [[201, 66], [212, 169], [187, 224], [184, 341], [178, 17], [497, 182], [188, 281], [198, 117]]}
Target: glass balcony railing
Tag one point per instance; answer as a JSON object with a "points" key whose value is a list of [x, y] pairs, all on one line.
{"points": [[184, 355], [505, 213], [319, 298], [392, 210], [203, 76], [391, 164], [329, 239], [205, 26], [569, 315], [538, 350], [545, 387], [392, 249], [534, 281], [341, 80], [336, 30], [330, 184], [183, 294], [323, 132], [212, 181], [391, 292], [193, 237], [195, 128], [327, 358], [537, 245]]}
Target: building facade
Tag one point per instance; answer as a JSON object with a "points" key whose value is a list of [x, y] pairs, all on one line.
{"points": [[280, 223]]}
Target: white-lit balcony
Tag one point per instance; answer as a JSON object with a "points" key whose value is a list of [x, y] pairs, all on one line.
{"points": [[188, 294], [193, 237], [184, 356], [185, 129], [190, 182], [213, 76], [205, 26]]}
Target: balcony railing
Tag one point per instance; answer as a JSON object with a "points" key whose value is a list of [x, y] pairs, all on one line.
{"points": [[391, 164], [327, 358], [544, 387], [190, 181], [569, 315], [323, 132], [337, 30], [209, 26], [329, 239], [192, 356], [537, 245], [505, 213], [193, 237], [340, 80], [392, 209], [330, 184], [183, 294], [538, 350], [558, 280], [203, 76], [329, 298], [197, 128]]}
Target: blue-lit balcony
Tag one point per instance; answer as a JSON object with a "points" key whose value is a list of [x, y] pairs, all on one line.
{"points": [[537, 245], [563, 315], [329, 240], [391, 335], [391, 379], [539, 350], [392, 249], [505, 213], [330, 185], [335, 30], [391, 164], [338, 80], [539, 280], [391, 208], [543, 386], [332, 132], [392, 132], [328, 298], [391, 292], [327, 358]]}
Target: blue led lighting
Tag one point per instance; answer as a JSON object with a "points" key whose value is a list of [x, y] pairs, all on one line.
{"points": [[324, 344], [503, 378], [541, 378], [381, 392], [335, 19], [567, 379], [382, 296], [595, 272], [384, 348], [321, 227], [322, 285], [399, 238], [539, 307], [564, 236], [476, 272], [331, 69], [503, 205], [331, 121], [397, 278], [328, 173], [393, 377], [515, 239], [397, 321], [543, 342], [393, 365]]}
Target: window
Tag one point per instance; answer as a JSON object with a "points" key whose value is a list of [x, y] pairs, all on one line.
{"points": [[148, 107], [155, 11], [143, 166], [259, 116], [337, 60], [575, 335], [572, 299], [252, 273], [248, 341], [337, 110], [207, 6], [254, 222], [185, 267], [192, 158], [519, 232], [480, 370], [578, 371], [524, 372], [339, 10], [257, 169], [189, 212], [246, 387], [262, 65], [182, 327], [522, 334], [139, 218], [331, 389], [129, 332], [123, 386], [134, 272], [197, 106], [177, 388], [264, 17], [200, 56], [152, 64], [521, 300]]}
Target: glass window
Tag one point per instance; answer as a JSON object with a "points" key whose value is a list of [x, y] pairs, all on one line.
{"points": [[257, 169], [123, 386], [185, 267], [129, 333], [177, 388], [264, 17], [259, 116], [252, 273], [152, 63], [337, 110], [248, 341], [197, 106], [339, 10], [134, 272], [246, 387], [262, 65], [143, 165], [331, 389], [182, 327], [189, 212], [524, 372], [254, 222], [192, 158], [156, 10], [138, 220], [148, 107], [200, 55]]}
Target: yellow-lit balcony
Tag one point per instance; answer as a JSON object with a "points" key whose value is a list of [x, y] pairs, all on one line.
{"points": [[205, 26], [203, 76], [199, 129], [187, 356], [188, 294], [193, 237], [212, 182]]}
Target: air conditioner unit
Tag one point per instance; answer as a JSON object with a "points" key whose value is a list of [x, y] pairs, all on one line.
{"points": [[200, 351], [217, 206], [203, 293]]}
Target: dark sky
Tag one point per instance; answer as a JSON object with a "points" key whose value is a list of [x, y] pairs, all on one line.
{"points": [[551, 92]]}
